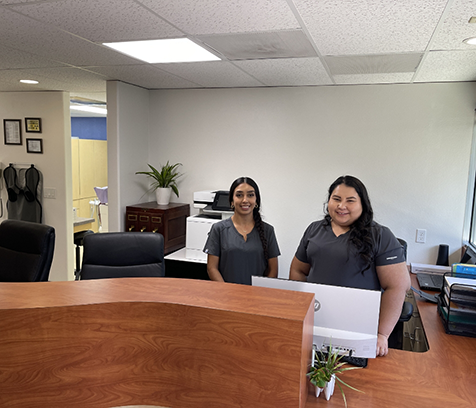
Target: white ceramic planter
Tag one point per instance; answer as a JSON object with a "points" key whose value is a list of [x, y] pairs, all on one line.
{"points": [[163, 195], [328, 389]]}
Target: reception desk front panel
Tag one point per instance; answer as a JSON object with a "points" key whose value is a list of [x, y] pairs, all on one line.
{"points": [[153, 341]]}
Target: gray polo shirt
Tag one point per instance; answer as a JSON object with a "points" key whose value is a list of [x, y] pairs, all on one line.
{"points": [[334, 262], [240, 259]]}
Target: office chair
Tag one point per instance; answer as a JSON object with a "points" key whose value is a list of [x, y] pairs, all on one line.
{"points": [[123, 255], [78, 239], [26, 251], [395, 339]]}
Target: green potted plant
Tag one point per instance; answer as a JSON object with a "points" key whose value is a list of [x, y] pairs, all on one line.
{"points": [[164, 181], [324, 370]]}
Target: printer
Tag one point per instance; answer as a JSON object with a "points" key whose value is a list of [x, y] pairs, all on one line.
{"points": [[213, 207]]}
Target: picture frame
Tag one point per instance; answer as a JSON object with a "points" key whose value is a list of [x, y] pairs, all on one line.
{"points": [[33, 125], [12, 131], [34, 146]]}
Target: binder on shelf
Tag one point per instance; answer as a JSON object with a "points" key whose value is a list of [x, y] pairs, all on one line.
{"points": [[457, 304], [464, 268]]}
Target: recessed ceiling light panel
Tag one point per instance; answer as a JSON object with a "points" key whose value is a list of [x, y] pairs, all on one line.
{"points": [[28, 81], [92, 109], [470, 41], [164, 51]]}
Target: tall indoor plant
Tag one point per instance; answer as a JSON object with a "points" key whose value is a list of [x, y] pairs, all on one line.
{"points": [[164, 181]]}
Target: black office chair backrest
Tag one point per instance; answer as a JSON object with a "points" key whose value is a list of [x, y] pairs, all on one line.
{"points": [[407, 310], [404, 245], [26, 251], [123, 255]]}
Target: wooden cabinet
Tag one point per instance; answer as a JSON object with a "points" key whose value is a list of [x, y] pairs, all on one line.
{"points": [[169, 220]]}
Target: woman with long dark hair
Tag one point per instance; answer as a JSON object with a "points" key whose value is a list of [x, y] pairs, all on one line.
{"points": [[348, 248], [242, 245]]}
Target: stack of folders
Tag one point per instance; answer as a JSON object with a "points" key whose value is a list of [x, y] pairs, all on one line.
{"points": [[457, 301]]}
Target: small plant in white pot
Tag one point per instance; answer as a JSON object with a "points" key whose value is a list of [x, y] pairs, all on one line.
{"points": [[324, 370], [164, 181]]}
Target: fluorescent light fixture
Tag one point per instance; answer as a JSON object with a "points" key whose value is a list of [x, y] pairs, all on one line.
{"points": [[164, 51], [28, 81], [470, 41], [92, 109]]}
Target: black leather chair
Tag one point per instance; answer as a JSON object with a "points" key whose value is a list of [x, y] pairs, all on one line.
{"points": [[123, 255], [78, 239], [395, 340], [26, 251]]}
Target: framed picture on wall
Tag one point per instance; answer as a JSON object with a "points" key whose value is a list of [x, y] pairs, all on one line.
{"points": [[34, 145], [33, 125], [12, 131]]}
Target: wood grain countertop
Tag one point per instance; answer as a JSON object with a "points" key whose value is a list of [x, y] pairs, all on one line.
{"points": [[153, 341], [443, 376]]}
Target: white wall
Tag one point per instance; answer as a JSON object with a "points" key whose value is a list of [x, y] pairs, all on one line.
{"points": [[54, 164], [128, 135], [410, 145]]}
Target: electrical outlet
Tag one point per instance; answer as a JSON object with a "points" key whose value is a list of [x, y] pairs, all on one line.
{"points": [[421, 236]]}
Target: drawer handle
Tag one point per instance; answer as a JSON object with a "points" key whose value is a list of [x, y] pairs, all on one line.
{"points": [[131, 228], [142, 229], [155, 230]]}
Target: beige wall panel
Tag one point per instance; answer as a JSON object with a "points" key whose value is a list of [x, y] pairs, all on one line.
{"points": [[87, 168], [75, 165], [100, 163]]}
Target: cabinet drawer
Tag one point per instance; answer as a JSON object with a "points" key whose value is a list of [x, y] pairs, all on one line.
{"points": [[170, 221]]}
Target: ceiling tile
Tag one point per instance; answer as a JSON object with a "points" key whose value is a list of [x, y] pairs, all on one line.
{"points": [[441, 66], [7, 85], [355, 41], [230, 16], [7, 2], [360, 79], [373, 64], [216, 74], [273, 44], [58, 79], [370, 26], [146, 76], [20, 32], [101, 21], [455, 27], [12, 58], [287, 72]]}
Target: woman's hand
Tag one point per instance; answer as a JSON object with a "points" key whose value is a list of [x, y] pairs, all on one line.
{"points": [[395, 282], [382, 345], [212, 268]]}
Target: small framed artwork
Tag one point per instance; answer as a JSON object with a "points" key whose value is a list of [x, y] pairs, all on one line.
{"points": [[34, 145], [33, 125], [12, 131]]}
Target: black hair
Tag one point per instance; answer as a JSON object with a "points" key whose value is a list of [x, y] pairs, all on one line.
{"points": [[256, 214], [360, 230]]}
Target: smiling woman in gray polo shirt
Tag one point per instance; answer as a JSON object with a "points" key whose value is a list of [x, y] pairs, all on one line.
{"points": [[243, 245], [348, 248]]}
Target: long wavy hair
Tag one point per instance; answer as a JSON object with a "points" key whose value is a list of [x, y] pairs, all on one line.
{"points": [[360, 230], [256, 211]]}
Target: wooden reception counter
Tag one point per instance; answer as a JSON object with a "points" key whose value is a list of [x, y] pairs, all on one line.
{"points": [[187, 343], [442, 377], [153, 341]]}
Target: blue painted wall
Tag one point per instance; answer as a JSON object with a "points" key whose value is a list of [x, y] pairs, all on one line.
{"points": [[89, 128]]}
